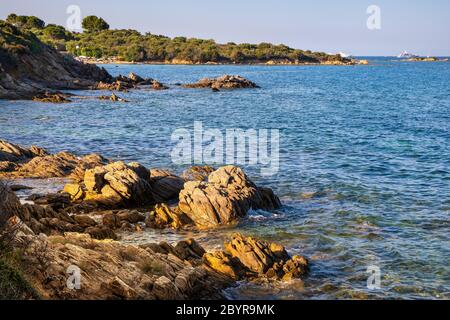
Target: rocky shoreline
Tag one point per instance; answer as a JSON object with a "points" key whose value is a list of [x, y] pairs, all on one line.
{"points": [[79, 227], [113, 60], [31, 70], [425, 59]]}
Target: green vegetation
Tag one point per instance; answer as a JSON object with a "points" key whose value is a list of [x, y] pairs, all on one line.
{"points": [[13, 284], [152, 267], [130, 45], [27, 22], [94, 24], [15, 40]]}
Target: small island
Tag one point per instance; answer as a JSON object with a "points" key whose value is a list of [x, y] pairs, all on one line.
{"points": [[426, 59]]}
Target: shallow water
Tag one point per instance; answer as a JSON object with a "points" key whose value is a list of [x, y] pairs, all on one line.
{"points": [[364, 164]]}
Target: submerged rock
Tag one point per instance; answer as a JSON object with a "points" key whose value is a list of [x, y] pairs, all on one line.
{"points": [[113, 98], [51, 97], [223, 82], [228, 195]]}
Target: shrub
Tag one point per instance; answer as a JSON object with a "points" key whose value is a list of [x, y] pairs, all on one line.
{"points": [[55, 32], [152, 267], [13, 285]]}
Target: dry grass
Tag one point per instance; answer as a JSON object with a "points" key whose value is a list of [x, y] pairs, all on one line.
{"points": [[129, 253], [152, 267]]}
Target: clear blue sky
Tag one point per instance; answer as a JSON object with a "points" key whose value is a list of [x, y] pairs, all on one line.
{"points": [[422, 27]]}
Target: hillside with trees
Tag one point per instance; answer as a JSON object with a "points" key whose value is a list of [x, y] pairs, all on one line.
{"points": [[29, 67], [98, 41]]}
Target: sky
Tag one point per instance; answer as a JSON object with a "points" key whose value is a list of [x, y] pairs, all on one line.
{"points": [[417, 26]]}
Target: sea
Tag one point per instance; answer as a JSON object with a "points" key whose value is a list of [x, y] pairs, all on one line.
{"points": [[363, 164]]}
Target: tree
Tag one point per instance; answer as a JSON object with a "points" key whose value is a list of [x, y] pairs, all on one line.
{"points": [[94, 24], [34, 22], [55, 32]]}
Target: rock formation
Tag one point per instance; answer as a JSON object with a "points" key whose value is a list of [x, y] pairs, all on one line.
{"points": [[113, 98], [14, 153], [51, 241], [164, 216], [223, 82], [46, 216], [110, 270], [51, 97], [123, 83], [19, 162], [228, 195], [114, 185], [251, 258]]}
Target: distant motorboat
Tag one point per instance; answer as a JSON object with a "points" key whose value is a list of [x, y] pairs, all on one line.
{"points": [[407, 55]]}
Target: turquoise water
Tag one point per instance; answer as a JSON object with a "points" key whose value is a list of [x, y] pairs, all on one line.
{"points": [[364, 163]]}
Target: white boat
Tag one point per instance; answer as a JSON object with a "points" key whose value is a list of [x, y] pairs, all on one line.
{"points": [[407, 55]]}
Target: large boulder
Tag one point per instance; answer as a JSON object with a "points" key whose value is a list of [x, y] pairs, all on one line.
{"points": [[139, 81], [118, 184], [228, 195]]}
